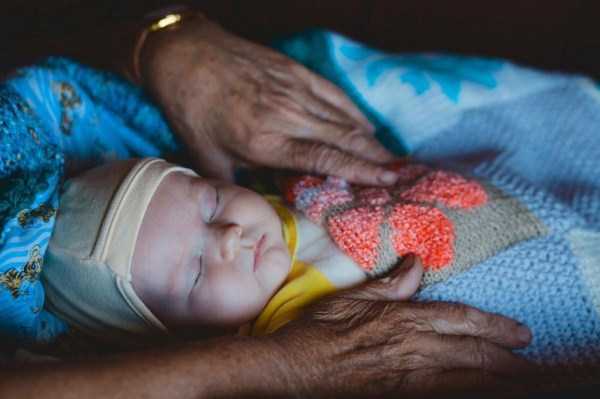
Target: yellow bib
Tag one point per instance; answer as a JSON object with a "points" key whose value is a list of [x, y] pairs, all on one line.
{"points": [[303, 285]]}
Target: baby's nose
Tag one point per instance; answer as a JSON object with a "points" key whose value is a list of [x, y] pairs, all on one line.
{"points": [[231, 242]]}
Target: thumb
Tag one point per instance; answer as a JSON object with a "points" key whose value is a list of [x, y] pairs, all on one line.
{"points": [[320, 158], [399, 285]]}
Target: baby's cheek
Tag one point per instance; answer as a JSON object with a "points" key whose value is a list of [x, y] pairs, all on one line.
{"points": [[230, 300], [274, 270]]}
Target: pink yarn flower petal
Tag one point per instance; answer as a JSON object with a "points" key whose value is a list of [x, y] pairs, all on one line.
{"points": [[356, 232], [425, 232], [292, 187], [449, 189]]}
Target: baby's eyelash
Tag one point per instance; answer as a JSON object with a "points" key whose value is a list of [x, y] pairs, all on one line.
{"points": [[214, 213], [199, 272]]}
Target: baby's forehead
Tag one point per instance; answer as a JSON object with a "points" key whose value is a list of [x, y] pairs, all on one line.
{"points": [[101, 212]]}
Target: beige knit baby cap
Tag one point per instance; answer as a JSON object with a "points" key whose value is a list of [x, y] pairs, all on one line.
{"points": [[87, 271]]}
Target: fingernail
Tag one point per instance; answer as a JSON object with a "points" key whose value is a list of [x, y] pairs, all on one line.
{"points": [[388, 177], [524, 334]]}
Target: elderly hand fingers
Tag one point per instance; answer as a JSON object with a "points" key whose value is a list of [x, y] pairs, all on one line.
{"points": [[457, 319], [319, 107], [367, 147], [324, 90], [335, 96], [343, 136], [286, 116], [351, 140], [315, 157]]}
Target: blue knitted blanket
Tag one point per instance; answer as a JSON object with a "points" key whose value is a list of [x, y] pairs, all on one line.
{"points": [[532, 134], [535, 135]]}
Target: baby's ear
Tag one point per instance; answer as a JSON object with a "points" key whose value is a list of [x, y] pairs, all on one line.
{"points": [[399, 285]]}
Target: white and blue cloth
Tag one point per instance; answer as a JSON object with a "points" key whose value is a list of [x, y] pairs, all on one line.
{"points": [[534, 134]]}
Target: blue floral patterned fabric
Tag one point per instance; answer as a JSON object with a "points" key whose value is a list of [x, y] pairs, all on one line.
{"points": [[56, 119]]}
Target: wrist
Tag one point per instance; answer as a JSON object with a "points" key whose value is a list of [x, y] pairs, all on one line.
{"points": [[162, 32], [256, 367]]}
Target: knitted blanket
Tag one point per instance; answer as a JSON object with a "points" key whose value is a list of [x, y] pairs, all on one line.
{"points": [[449, 221], [532, 135]]}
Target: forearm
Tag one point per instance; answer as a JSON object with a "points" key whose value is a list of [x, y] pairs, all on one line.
{"points": [[225, 367]]}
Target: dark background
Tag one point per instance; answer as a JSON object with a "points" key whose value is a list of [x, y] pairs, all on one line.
{"points": [[551, 34]]}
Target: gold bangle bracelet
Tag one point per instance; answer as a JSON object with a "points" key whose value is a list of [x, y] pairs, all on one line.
{"points": [[168, 20]]}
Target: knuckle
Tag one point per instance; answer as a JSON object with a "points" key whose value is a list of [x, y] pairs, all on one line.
{"points": [[325, 113], [324, 84], [354, 140], [475, 320], [294, 155], [483, 354], [255, 137], [409, 321], [415, 361], [297, 68], [469, 317], [325, 159], [411, 315], [280, 100]]}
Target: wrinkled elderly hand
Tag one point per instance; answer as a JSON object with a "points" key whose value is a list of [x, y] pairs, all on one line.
{"points": [[360, 343], [236, 103]]}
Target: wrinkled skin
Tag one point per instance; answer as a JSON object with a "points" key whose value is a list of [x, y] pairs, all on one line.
{"points": [[371, 342], [234, 103]]}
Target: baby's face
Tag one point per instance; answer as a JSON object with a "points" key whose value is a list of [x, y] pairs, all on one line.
{"points": [[208, 253]]}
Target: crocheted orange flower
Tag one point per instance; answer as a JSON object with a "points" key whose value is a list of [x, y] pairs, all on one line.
{"points": [[357, 218], [448, 189], [357, 232], [423, 231]]}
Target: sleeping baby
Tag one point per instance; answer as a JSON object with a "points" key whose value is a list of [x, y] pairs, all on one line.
{"points": [[144, 247]]}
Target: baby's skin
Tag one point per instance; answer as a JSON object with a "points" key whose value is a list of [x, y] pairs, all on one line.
{"points": [[212, 254], [208, 253]]}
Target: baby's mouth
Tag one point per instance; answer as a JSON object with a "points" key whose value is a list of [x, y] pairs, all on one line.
{"points": [[258, 250]]}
